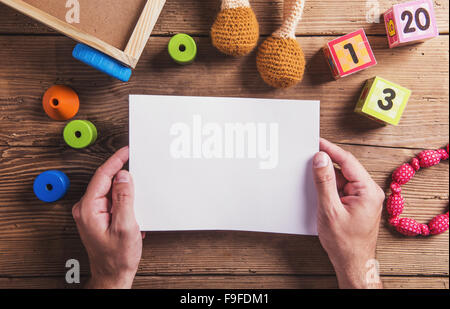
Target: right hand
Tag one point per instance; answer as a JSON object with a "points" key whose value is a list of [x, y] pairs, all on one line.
{"points": [[349, 212]]}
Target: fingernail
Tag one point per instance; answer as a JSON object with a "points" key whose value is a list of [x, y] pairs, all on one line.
{"points": [[321, 160], [122, 177]]}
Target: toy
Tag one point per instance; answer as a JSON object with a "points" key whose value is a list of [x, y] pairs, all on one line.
{"points": [[235, 31], [60, 102], [383, 101], [104, 30], [410, 22], [395, 203], [51, 186], [280, 60], [101, 62], [80, 134], [349, 54], [182, 48]]}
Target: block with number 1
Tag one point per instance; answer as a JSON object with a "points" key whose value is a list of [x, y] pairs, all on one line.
{"points": [[383, 101], [410, 22], [349, 54]]}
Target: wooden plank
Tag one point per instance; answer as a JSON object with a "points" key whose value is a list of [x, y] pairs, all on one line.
{"points": [[279, 282], [71, 31], [38, 238], [104, 101], [229, 282], [144, 28], [196, 17], [36, 242], [19, 166]]}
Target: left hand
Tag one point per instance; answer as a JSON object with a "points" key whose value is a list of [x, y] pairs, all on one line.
{"points": [[107, 225]]}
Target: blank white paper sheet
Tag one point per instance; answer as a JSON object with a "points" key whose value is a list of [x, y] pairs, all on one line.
{"points": [[202, 163]]}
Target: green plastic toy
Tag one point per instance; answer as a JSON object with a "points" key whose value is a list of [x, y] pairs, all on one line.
{"points": [[383, 101], [182, 48], [80, 134]]}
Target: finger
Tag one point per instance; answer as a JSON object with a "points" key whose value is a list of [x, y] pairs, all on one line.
{"points": [[353, 188], [325, 180], [76, 212], [100, 184], [122, 209], [350, 200], [351, 168], [340, 179], [143, 234]]}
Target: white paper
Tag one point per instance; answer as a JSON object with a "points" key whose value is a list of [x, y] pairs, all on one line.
{"points": [[202, 163]]}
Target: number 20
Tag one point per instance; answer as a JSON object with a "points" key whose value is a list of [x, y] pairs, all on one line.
{"points": [[408, 15]]}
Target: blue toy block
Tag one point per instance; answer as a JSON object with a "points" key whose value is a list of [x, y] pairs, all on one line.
{"points": [[51, 186], [101, 62]]}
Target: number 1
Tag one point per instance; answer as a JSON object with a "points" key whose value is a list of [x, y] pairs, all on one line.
{"points": [[352, 52]]}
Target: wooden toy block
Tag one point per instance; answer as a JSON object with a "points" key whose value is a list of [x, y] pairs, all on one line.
{"points": [[80, 134], [349, 54], [410, 22], [51, 186], [383, 101], [104, 29], [60, 102]]}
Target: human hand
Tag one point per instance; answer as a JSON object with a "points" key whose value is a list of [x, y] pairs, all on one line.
{"points": [[107, 225], [349, 212]]}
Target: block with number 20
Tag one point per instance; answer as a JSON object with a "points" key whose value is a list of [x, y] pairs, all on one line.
{"points": [[410, 22], [383, 101], [349, 54]]}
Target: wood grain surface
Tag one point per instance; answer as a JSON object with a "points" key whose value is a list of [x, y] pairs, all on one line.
{"points": [[36, 238], [195, 17], [233, 282]]}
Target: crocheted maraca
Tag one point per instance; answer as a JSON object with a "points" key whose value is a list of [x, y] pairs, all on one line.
{"points": [[280, 59], [235, 31]]}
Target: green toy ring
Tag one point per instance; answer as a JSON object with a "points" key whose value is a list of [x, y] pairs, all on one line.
{"points": [[182, 48], [80, 134]]}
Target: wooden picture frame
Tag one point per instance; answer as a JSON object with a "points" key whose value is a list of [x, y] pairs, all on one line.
{"points": [[134, 48]]}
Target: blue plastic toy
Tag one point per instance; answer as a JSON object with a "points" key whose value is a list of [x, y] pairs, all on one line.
{"points": [[101, 62], [51, 186]]}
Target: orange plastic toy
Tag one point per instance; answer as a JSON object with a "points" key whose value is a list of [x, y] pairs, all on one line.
{"points": [[61, 102]]}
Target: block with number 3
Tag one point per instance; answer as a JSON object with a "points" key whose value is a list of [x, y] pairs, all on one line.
{"points": [[410, 22], [349, 54], [383, 101]]}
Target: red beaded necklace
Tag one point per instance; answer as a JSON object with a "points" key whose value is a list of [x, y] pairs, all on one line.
{"points": [[396, 202]]}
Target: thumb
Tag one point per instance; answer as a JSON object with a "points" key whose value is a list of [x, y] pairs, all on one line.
{"points": [[123, 201], [325, 180]]}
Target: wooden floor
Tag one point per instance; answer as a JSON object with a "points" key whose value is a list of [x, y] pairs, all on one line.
{"points": [[36, 239]]}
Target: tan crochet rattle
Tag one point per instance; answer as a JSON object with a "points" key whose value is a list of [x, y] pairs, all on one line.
{"points": [[280, 59], [235, 31]]}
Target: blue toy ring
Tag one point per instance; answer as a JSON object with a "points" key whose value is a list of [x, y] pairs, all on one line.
{"points": [[51, 186]]}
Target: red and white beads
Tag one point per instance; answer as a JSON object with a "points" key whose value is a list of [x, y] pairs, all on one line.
{"points": [[396, 202]]}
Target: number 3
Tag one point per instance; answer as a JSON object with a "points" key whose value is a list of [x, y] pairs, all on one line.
{"points": [[389, 99]]}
